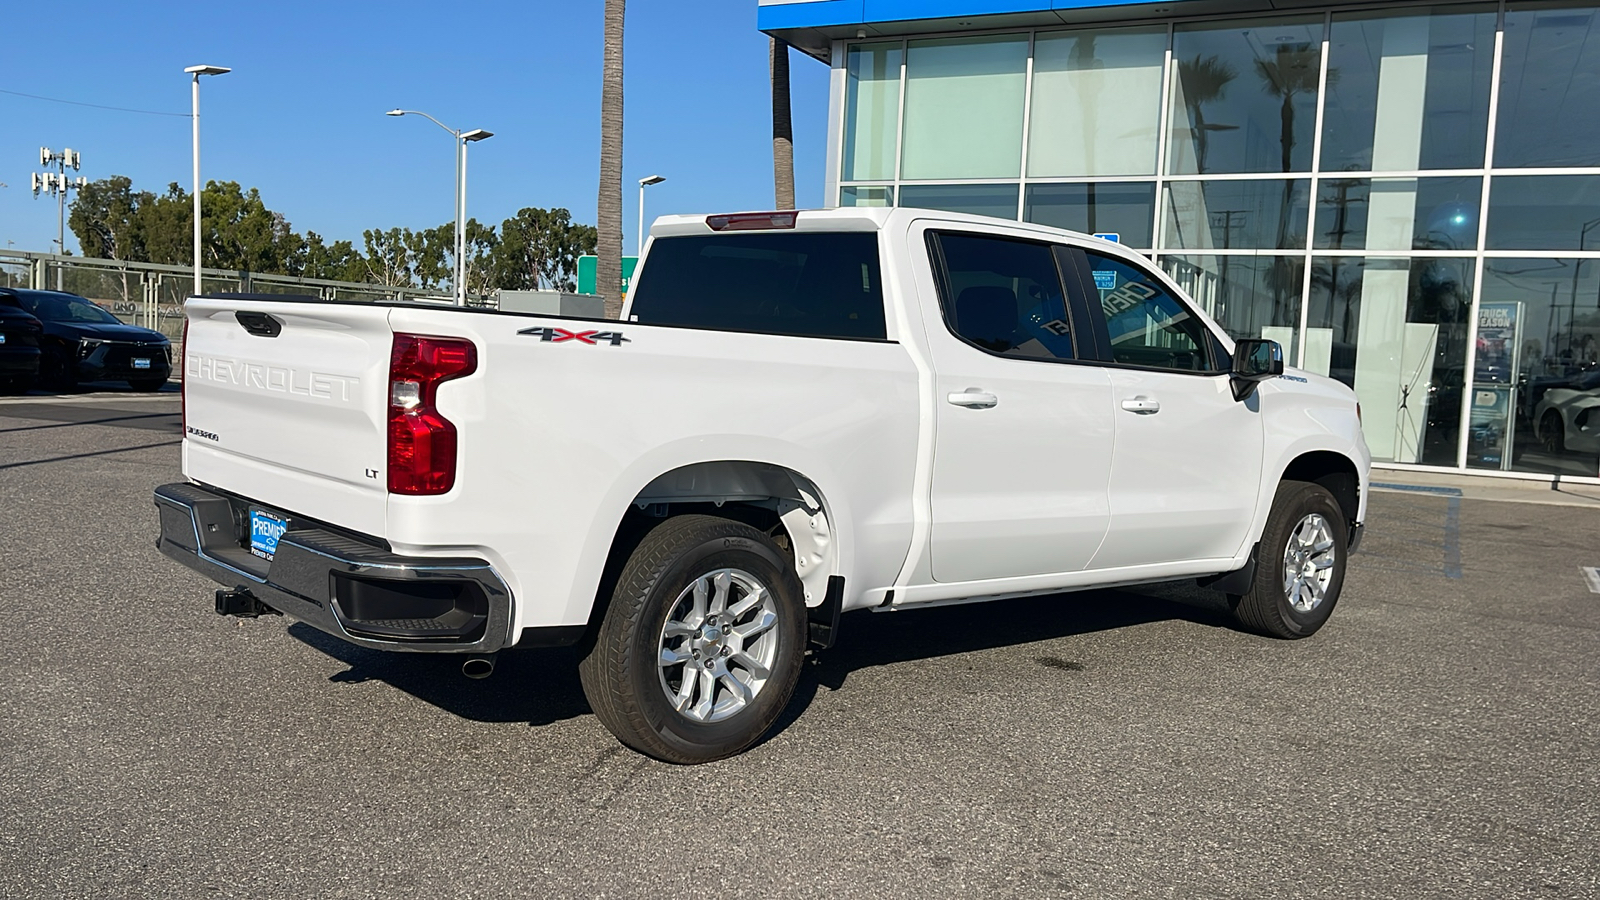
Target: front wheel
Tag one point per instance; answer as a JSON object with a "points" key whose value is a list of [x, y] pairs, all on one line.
{"points": [[701, 647], [1300, 567], [15, 384]]}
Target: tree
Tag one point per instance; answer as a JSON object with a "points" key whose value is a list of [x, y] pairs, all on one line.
{"points": [[340, 261], [608, 214], [1204, 80], [388, 257], [782, 126], [539, 250], [105, 219]]}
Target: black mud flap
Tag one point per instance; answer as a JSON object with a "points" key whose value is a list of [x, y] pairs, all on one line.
{"points": [[823, 620], [1237, 582]]}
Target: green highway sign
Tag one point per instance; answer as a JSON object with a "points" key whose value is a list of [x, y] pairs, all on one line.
{"points": [[589, 265]]}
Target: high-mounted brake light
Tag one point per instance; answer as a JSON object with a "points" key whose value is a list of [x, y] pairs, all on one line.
{"points": [[751, 221], [422, 443]]}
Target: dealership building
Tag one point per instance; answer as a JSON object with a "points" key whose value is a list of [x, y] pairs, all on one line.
{"points": [[1405, 195]]}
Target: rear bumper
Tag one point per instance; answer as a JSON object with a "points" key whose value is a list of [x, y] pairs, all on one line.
{"points": [[19, 360], [349, 588]]}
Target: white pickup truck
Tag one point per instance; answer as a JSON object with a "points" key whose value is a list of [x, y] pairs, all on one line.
{"points": [[800, 414]]}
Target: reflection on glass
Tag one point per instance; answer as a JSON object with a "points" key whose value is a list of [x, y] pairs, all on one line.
{"points": [[872, 110], [1096, 102], [1126, 210], [1408, 90], [1544, 212], [964, 99], [1537, 377], [1396, 331], [1260, 215], [1249, 296], [866, 195], [998, 200], [1398, 214], [1245, 96], [1548, 92]]}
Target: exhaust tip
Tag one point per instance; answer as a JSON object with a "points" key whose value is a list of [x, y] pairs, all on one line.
{"points": [[478, 667]]}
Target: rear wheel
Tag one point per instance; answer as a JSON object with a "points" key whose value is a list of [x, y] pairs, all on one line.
{"points": [[702, 644], [1300, 568], [15, 384], [147, 384], [1553, 432]]}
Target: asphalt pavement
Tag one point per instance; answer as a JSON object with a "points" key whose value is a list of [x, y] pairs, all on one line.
{"points": [[1439, 738]]}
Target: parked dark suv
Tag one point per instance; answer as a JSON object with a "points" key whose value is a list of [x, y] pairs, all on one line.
{"points": [[84, 342], [19, 346]]}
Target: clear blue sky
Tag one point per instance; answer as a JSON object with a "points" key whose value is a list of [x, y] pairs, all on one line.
{"points": [[301, 116]]}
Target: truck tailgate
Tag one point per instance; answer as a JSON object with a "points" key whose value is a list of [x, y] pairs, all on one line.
{"points": [[285, 404]]}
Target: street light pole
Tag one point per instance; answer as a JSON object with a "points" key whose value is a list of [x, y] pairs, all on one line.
{"points": [[197, 71], [644, 183], [461, 140]]}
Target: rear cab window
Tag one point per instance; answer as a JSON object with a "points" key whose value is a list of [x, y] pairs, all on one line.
{"points": [[805, 284]]}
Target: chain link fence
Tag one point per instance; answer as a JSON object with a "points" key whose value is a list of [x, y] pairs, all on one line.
{"points": [[151, 295]]}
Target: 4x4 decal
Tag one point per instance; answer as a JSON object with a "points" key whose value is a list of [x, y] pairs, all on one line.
{"points": [[592, 338]]}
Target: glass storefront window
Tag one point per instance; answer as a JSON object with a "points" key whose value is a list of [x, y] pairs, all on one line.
{"points": [[1120, 208], [1536, 382], [964, 99], [866, 195], [872, 110], [1544, 212], [1257, 215], [1096, 102], [1408, 90], [1398, 213], [1395, 330], [998, 200], [1548, 89], [1249, 296], [1244, 96]]}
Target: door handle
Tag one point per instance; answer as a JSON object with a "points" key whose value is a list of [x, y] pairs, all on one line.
{"points": [[973, 398], [1144, 406]]}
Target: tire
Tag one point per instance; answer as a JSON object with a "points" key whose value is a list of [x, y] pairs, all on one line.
{"points": [[16, 384], [57, 372], [147, 385], [1553, 432], [638, 697], [1301, 511]]}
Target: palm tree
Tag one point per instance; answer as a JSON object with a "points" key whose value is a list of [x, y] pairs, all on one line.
{"points": [[1204, 80], [608, 215], [782, 129], [1294, 71]]}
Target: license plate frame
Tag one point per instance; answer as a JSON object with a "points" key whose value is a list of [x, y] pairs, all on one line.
{"points": [[141, 363], [266, 528]]}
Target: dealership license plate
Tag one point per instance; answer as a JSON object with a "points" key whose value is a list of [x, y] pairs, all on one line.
{"points": [[2, 339], [265, 529], [141, 364]]}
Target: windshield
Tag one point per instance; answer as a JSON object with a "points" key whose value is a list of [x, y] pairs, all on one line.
{"points": [[68, 309]]}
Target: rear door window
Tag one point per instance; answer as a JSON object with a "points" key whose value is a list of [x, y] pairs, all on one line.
{"points": [[809, 284], [1004, 296]]}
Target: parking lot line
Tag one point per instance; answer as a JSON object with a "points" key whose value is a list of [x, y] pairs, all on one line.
{"points": [[1591, 575]]}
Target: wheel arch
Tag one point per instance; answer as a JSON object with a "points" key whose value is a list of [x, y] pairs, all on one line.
{"points": [[1335, 472], [770, 497]]}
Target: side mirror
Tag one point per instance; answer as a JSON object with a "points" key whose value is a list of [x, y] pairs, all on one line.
{"points": [[1254, 361]]}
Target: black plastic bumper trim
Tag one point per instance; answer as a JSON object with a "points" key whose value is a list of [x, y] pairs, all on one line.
{"points": [[198, 529]]}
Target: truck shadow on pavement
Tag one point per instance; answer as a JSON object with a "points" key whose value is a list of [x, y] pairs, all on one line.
{"points": [[541, 686]]}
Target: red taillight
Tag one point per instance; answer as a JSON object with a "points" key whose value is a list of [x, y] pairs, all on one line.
{"points": [[751, 221], [422, 443]]}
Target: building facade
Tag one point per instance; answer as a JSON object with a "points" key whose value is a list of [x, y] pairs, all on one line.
{"points": [[1405, 195]]}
